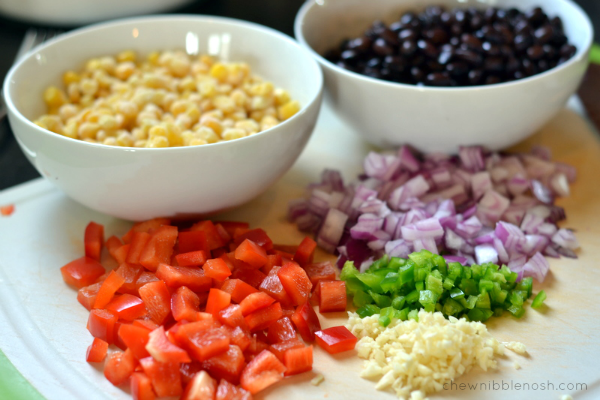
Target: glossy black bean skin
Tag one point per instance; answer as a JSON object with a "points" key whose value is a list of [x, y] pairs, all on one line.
{"points": [[457, 47]]}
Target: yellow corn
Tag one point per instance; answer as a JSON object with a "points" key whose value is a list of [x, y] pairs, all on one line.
{"points": [[288, 110]]}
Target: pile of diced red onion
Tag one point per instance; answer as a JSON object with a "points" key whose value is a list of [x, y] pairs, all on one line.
{"points": [[474, 207]]}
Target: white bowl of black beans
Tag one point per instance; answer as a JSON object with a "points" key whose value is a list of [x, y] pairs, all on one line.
{"points": [[440, 74]]}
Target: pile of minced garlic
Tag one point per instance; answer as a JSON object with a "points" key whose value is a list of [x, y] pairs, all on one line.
{"points": [[416, 358]]}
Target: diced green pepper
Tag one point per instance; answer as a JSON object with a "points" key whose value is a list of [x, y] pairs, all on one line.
{"points": [[434, 284], [381, 263], [485, 285], [398, 302], [420, 286], [395, 263], [483, 301], [349, 271], [471, 301], [427, 297], [480, 315], [516, 298], [414, 314], [407, 273], [456, 293], [361, 298], [412, 297], [353, 285], [380, 300], [368, 310], [448, 283], [390, 282], [455, 270], [372, 281], [469, 287], [517, 311], [539, 299], [526, 284], [452, 307], [403, 315]]}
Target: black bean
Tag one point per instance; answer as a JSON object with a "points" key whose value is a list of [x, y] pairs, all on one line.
{"points": [[490, 15], [543, 65], [410, 19], [390, 37], [491, 49], [460, 17], [408, 48], [457, 68], [428, 49], [528, 67], [492, 79], [454, 41], [519, 75], [522, 42], [445, 57], [556, 22], [349, 55], [381, 47], [360, 44], [476, 22], [436, 36], [418, 60], [471, 42], [475, 76], [535, 52], [372, 72], [374, 62], [506, 51], [394, 63], [535, 16], [559, 39], [408, 34], [469, 56], [567, 51], [417, 74], [544, 34], [446, 18], [549, 52], [523, 27], [493, 64], [438, 79], [492, 35], [434, 66], [512, 65], [397, 26]]}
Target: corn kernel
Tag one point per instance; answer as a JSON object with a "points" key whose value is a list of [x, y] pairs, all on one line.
{"points": [[127, 108], [88, 130], [288, 110], [70, 77], [260, 102], [108, 122], [157, 130], [219, 71], [158, 141], [92, 64], [179, 66], [52, 123], [207, 134], [179, 107], [101, 135], [67, 111], [153, 57], [124, 70], [88, 86], [228, 123], [281, 97], [233, 133], [110, 141], [54, 97], [140, 143], [71, 129], [268, 122], [213, 124], [126, 56], [224, 103], [108, 64], [206, 60], [197, 142], [250, 126], [139, 134], [125, 140]]}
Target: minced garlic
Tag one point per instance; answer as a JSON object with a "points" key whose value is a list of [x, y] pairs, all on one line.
{"points": [[416, 358], [516, 347]]}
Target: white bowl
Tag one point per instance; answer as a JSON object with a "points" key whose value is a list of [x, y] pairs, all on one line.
{"points": [[80, 12], [140, 183], [439, 119]]}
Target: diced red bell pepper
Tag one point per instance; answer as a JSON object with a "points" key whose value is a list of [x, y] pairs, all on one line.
{"points": [[332, 296], [227, 365], [258, 236], [280, 348], [305, 252], [185, 304], [227, 260], [285, 257], [86, 296], [201, 342], [159, 248], [127, 307], [263, 371], [232, 316], [255, 301], [192, 259], [145, 277], [82, 272], [336, 339], [225, 236], [323, 271], [281, 330], [298, 360], [119, 366], [295, 282], [130, 273], [261, 319], [257, 345], [287, 248], [108, 289], [193, 241], [120, 254], [116, 338], [273, 260], [201, 387], [145, 323], [212, 235], [228, 391], [165, 377], [231, 226], [138, 242], [217, 269], [135, 338], [252, 277], [141, 387], [93, 240], [288, 311], [306, 322], [112, 244], [101, 324], [96, 352], [145, 226], [192, 277], [238, 289], [251, 253], [272, 286], [157, 298], [188, 371], [217, 301], [162, 350], [238, 336]]}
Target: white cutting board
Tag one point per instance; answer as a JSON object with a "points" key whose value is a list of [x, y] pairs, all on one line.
{"points": [[42, 326]]}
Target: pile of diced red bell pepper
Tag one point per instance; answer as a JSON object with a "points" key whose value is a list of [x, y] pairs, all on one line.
{"points": [[207, 311]]}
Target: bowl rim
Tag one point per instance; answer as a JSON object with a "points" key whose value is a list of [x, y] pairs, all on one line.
{"points": [[582, 54], [12, 109]]}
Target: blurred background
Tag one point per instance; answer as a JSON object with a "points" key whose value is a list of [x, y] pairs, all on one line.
{"points": [[16, 16]]}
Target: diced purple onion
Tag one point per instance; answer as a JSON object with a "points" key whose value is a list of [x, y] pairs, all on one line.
{"points": [[485, 253], [565, 238]]}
